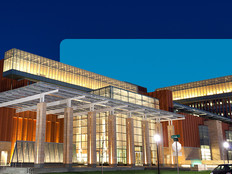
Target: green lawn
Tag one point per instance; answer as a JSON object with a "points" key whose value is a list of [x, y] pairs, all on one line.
{"points": [[141, 172]]}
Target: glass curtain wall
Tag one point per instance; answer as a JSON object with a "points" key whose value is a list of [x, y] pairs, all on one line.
{"points": [[121, 138], [201, 88], [138, 141], [102, 138], [152, 142], [24, 152], [80, 138], [127, 96], [37, 65]]}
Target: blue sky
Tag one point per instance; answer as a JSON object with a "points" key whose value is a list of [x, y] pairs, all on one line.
{"points": [[39, 26], [152, 63]]}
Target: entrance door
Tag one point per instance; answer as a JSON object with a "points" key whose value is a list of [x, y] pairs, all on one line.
{"points": [[138, 158]]}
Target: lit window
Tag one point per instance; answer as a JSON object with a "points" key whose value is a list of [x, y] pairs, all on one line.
{"points": [[229, 139], [204, 142], [205, 152]]}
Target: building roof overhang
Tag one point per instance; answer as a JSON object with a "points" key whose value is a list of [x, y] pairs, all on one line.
{"points": [[200, 113], [58, 97]]}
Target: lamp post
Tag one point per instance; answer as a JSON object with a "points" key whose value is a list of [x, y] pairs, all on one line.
{"points": [[157, 140], [226, 145]]}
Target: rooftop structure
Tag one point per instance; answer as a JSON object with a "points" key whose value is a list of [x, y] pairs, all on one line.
{"points": [[201, 88], [18, 64], [56, 113], [78, 111]]}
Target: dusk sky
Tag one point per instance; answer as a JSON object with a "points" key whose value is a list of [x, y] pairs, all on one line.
{"points": [[39, 27]]}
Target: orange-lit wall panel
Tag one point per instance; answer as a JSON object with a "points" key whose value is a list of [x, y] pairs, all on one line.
{"points": [[8, 84], [22, 126], [6, 123], [25, 127]]}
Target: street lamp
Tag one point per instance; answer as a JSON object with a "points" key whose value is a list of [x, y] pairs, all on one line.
{"points": [[157, 140], [226, 145]]}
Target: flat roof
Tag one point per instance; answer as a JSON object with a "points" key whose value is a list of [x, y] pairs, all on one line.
{"points": [[59, 97]]}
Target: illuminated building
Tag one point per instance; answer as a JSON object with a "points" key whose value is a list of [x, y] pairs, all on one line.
{"points": [[213, 95], [201, 88], [206, 105], [55, 113]]}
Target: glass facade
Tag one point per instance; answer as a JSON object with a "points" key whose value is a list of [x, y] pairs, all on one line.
{"points": [[152, 142], [204, 143], [201, 88], [101, 85], [80, 138], [24, 152], [127, 96], [102, 138], [138, 142], [40, 66], [121, 138]]}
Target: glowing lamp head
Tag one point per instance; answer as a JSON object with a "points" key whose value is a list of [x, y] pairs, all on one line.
{"points": [[226, 145], [157, 138]]}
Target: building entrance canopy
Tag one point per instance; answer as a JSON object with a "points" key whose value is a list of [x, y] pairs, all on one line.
{"points": [[58, 97]]}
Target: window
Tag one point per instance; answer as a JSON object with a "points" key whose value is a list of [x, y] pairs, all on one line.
{"points": [[102, 137], [229, 139], [138, 143], [121, 138], [127, 96], [152, 142], [205, 143], [80, 138]]}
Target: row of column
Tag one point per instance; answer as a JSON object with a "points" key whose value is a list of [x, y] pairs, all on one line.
{"points": [[91, 132]]}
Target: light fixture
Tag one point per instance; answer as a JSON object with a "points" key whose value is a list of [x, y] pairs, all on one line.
{"points": [[157, 138], [226, 145]]}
